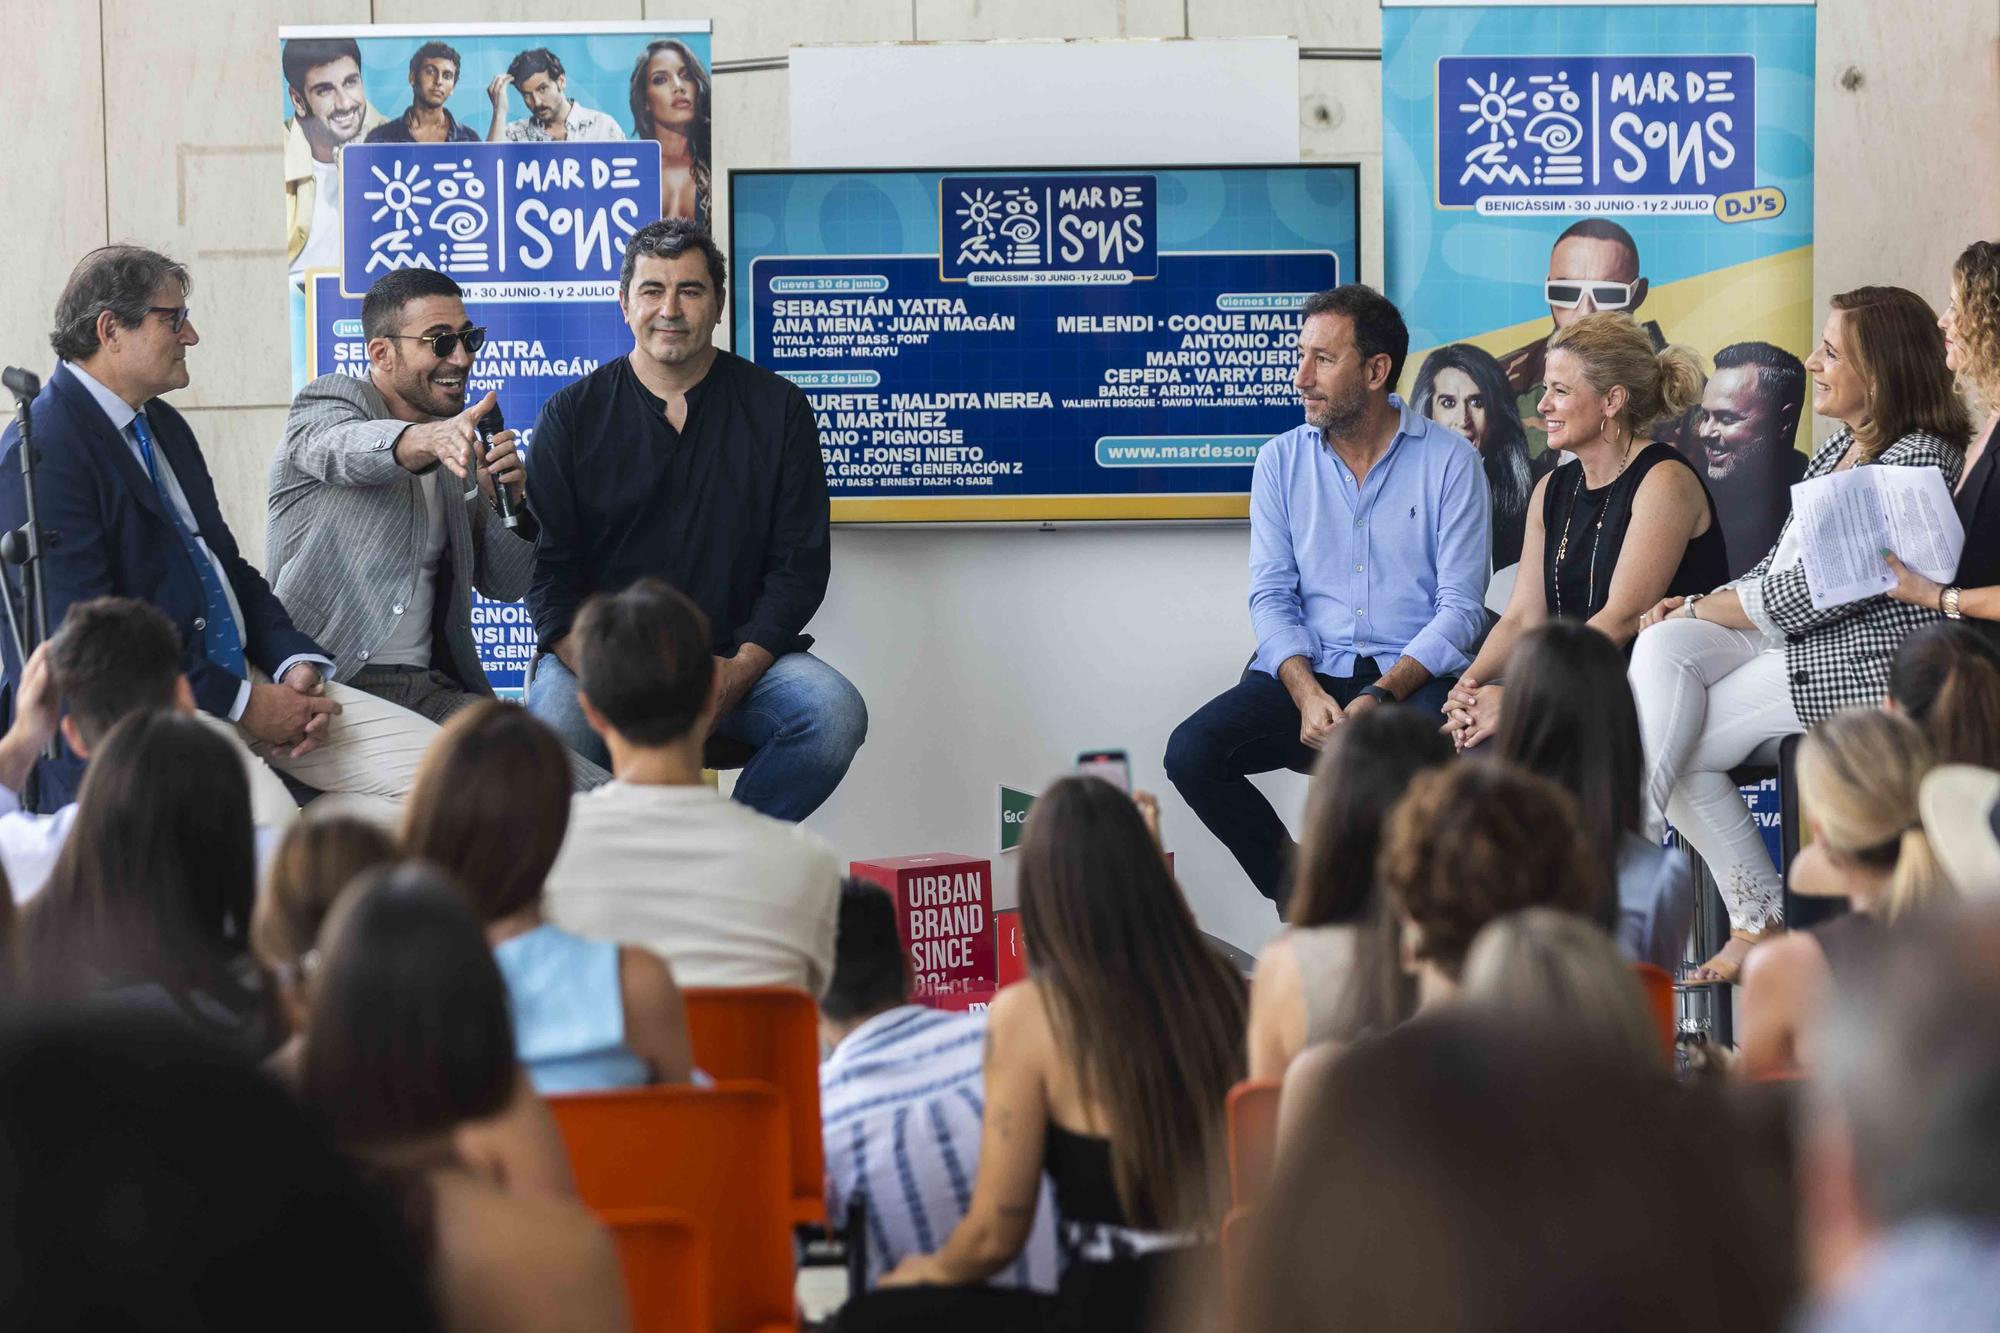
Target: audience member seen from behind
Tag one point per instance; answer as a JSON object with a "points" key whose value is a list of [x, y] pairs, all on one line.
{"points": [[315, 860], [156, 1183], [1463, 389], [1629, 524], [1130, 1131], [1860, 774], [1326, 978], [1720, 675], [900, 1101], [110, 658], [149, 904], [1946, 679], [410, 1042], [1900, 1183], [729, 897], [1547, 971], [1468, 1175], [1466, 845], [1570, 717], [1971, 328], [1470, 843], [490, 808]]}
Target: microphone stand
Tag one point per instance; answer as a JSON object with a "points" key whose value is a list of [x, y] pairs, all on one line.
{"points": [[24, 546]]}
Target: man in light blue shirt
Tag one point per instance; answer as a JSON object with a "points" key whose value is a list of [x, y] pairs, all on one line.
{"points": [[1368, 561]]}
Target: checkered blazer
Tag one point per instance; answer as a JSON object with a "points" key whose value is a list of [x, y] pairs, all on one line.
{"points": [[1839, 657]]}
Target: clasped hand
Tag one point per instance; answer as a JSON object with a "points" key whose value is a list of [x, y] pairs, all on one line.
{"points": [[294, 716], [1471, 712]]}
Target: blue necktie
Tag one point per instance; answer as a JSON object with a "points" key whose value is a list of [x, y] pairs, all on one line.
{"points": [[220, 643]]}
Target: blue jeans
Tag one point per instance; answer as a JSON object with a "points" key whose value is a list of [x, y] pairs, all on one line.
{"points": [[802, 717], [1253, 727]]}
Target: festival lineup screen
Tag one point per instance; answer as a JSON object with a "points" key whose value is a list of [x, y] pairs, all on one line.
{"points": [[987, 345]]}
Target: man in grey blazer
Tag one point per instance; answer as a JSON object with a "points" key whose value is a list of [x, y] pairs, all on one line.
{"points": [[382, 515]]}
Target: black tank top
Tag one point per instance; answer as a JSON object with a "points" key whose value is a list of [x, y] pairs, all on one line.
{"points": [[1584, 529]]}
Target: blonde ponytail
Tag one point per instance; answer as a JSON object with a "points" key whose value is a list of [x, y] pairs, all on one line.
{"points": [[1614, 351]]}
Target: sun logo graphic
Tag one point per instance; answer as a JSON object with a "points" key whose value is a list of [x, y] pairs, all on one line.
{"points": [[1494, 108], [436, 220]]}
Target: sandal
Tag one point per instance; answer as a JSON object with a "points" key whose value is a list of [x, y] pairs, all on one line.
{"points": [[1727, 966]]}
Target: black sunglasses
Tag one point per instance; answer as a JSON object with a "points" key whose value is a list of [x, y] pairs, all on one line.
{"points": [[177, 316], [444, 344]]}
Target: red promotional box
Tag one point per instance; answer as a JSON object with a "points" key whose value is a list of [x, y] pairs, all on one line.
{"points": [[944, 912]]}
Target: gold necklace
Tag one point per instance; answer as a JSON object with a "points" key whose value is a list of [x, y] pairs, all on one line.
{"points": [[1596, 533]]}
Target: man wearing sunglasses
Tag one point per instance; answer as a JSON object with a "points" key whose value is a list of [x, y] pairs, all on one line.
{"points": [[383, 511], [1594, 266], [127, 508]]}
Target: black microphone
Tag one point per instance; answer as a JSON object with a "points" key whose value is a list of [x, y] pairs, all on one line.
{"points": [[23, 384], [488, 426]]}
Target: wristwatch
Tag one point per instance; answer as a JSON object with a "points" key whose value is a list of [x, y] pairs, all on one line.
{"points": [[1380, 694], [1948, 603]]}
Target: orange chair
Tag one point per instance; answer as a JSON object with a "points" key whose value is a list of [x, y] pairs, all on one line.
{"points": [[665, 1256], [716, 1154], [770, 1033], [1659, 989], [1252, 1117], [1236, 1226]]}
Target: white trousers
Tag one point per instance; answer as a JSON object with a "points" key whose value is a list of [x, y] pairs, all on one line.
{"points": [[365, 767], [1708, 696]]}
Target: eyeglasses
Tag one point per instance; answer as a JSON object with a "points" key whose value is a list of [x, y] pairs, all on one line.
{"points": [[442, 345], [177, 316], [1568, 293]]}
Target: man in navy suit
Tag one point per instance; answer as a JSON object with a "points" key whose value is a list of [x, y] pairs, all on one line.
{"points": [[122, 486]]}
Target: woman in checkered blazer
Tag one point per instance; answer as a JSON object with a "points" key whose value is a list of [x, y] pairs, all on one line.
{"points": [[1719, 675]]}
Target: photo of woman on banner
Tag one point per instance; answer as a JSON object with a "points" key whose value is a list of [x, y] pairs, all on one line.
{"points": [[1463, 389], [670, 105]]}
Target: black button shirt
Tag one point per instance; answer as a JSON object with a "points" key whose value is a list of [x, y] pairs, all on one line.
{"points": [[731, 509]]}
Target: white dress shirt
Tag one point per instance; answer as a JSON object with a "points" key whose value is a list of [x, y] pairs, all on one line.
{"points": [[120, 414]]}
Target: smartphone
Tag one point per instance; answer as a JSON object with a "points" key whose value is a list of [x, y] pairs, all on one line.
{"points": [[1111, 765]]}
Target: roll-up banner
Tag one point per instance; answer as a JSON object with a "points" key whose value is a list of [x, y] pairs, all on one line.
{"points": [[1541, 161], [515, 157]]}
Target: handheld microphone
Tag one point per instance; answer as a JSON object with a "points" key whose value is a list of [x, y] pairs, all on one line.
{"points": [[488, 426], [23, 384]]}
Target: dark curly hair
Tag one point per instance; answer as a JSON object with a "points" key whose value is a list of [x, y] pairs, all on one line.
{"points": [[1473, 841]]}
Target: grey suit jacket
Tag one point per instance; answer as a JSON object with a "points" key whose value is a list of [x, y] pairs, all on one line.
{"points": [[345, 528]]}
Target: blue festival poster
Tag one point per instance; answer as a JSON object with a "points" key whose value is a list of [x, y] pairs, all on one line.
{"points": [[1543, 161], [518, 158], [1038, 345]]}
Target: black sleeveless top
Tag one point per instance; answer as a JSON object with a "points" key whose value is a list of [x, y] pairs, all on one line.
{"points": [[1576, 574]]}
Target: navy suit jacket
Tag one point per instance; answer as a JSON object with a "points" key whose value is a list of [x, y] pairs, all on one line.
{"points": [[114, 536]]}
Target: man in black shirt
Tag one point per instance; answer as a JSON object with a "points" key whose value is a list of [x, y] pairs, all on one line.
{"points": [[687, 463]]}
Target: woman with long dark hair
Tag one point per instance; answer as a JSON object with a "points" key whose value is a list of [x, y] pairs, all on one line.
{"points": [[1570, 717], [1613, 532], [409, 1043], [670, 99], [1463, 388], [1108, 1068], [1331, 976], [149, 903], [1719, 675], [1946, 679]]}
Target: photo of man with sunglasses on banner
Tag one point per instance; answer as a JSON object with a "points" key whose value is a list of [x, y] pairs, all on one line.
{"points": [[384, 509], [1593, 266]]}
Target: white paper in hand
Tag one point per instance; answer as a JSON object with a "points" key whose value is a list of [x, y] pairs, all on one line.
{"points": [[1847, 519]]}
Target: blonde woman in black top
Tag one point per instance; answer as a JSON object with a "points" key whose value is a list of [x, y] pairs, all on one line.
{"points": [[1628, 524]]}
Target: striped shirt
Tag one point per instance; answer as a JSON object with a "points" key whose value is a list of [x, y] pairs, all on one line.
{"points": [[901, 1099]]}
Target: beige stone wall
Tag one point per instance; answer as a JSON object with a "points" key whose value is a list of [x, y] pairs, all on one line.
{"points": [[153, 122]]}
